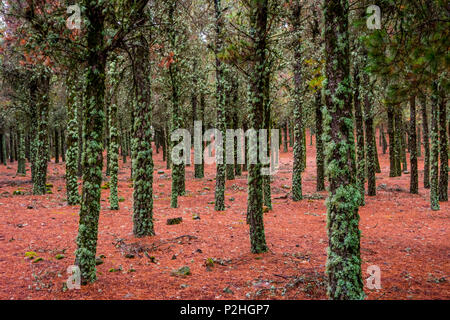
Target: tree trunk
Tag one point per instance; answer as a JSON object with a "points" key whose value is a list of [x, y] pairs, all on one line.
{"points": [[142, 159], [426, 143], [414, 177], [73, 108], [258, 23], [344, 261], [299, 147], [94, 119], [443, 150], [219, 197], [434, 156]]}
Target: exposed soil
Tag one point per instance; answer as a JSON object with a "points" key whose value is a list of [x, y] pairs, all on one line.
{"points": [[400, 234]]}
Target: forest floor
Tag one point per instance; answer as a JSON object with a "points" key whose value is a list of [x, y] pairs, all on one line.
{"points": [[400, 234]]}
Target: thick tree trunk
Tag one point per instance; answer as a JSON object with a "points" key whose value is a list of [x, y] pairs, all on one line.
{"points": [[344, 261], [41, 149], [258, 23], [142, 159], [94, 119]]}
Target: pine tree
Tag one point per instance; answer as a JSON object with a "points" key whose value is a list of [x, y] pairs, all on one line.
{"points": [[92, 159], [443, 144], [258, 27], [41, 96], [73, 105], [21, 146], [434, 156], [113, 141], [299, 147], [142, 148], [221, 86], [414, 178], [344, 261]]}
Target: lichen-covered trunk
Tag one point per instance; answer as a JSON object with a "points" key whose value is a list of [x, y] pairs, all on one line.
{"points": [[343, 262], [360, 154], [434, 156], [199, 168], [41, 143], [370, 141], [392, 140], [258, 23], [113, 148], [73, 104], [299, 146], [21, 149], [443, 147], [398, 142], [414, 177], [56, 146], [219, 195], [94, 119], [142, 148], [320, 157]]}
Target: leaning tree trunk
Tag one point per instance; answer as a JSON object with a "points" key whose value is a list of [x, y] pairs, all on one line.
{"points": [[344, 261]]}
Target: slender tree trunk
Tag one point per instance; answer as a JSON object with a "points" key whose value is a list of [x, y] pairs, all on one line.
{"points": [[113, 139], [360, 154], [320, 157], [299, 147], [392, 141], [434, 156], [56, 136], [426, 143], [370, 142], [73, 108], [443, 150], [21, 170], [383, 139], [219, 197], [414, 182]]}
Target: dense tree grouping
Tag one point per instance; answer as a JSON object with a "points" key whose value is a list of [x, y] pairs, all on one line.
{"points": [[122, 86]]}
